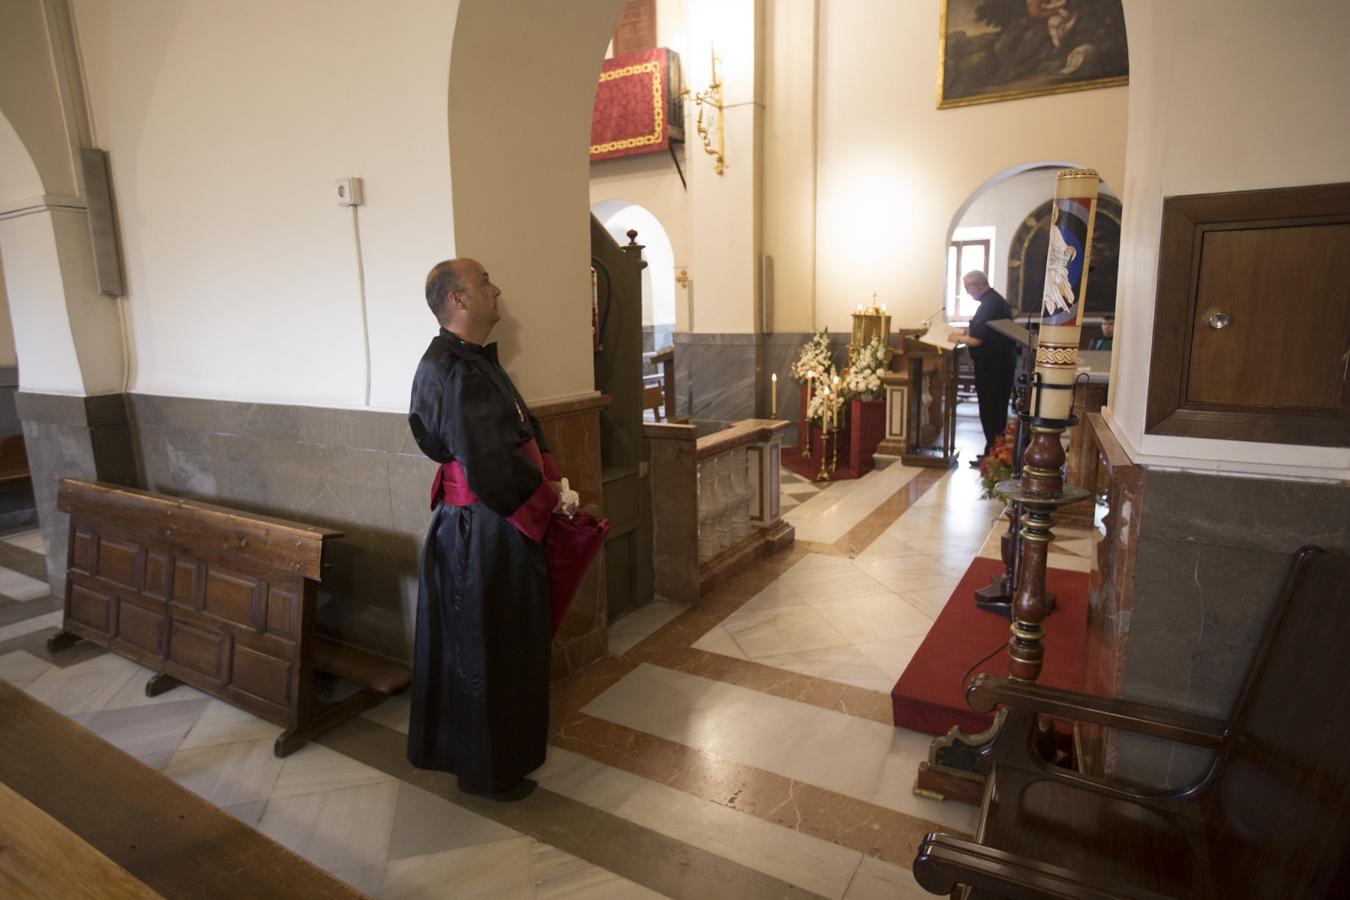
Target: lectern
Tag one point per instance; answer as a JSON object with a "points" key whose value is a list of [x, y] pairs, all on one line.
{"points": [[937, 393]]}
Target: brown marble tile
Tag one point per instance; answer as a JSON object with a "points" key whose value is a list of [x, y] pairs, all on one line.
{"points": [[884, 833], [857, 539]]}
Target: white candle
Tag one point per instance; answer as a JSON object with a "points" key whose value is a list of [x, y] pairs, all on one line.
{"points": [[773, 396]]}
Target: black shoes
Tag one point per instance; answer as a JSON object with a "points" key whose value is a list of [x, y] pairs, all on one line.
{"points": [[975, 463], [518, 791]]}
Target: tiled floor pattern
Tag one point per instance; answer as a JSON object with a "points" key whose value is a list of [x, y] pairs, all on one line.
{"points": [[739, 749]]}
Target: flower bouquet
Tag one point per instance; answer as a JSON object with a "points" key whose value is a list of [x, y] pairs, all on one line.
{"points": [[864, 377], [814, 368], [997, 465]]}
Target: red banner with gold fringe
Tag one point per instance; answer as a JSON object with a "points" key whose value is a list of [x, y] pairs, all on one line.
{"points": [[635, 103]]}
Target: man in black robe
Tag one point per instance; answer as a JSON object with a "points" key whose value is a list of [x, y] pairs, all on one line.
{"points": [[481, 657], [993, 355]]}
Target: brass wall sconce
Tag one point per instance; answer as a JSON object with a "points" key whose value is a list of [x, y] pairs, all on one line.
{"points": [[711, 99], [682, 277]]}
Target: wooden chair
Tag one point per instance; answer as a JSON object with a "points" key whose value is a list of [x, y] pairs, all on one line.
{"points": [[653, 398], [1270, 818]]}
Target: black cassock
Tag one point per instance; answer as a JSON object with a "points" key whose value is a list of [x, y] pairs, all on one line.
{"points": [[481, 657]]}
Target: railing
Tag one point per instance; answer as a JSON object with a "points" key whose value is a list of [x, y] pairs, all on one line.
{"points": [[715, 503]]}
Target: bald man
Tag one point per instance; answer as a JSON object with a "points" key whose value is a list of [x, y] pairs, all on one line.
{"points": [[481, 656], [993, 355]]}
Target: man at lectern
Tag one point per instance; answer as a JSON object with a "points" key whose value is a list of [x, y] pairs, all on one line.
{"points": [[993, 355]]}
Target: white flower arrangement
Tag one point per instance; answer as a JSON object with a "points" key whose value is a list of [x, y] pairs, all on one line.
{"points": [[815, 368], [864, 378]]}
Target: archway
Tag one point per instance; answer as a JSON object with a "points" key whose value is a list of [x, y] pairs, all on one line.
{"points": [[994, 230], [658, 279]]}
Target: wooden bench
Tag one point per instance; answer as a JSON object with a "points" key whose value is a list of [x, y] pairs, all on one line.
{"points": [[218, 599], [13, 460], [83, 819], [1270, 817]]}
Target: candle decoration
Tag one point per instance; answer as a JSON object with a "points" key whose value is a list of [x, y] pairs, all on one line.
{"points": [[1066, 276], [869, 324], [773, 396]]}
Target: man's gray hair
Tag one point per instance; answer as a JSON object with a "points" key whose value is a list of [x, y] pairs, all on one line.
{"points": [[442, 281], [975, 276]]}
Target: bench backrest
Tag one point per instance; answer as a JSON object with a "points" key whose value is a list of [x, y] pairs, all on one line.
{"points": [[1279, 810]]}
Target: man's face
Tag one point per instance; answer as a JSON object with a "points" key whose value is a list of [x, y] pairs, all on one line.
{"points": [[480, 295], [975, 289]]}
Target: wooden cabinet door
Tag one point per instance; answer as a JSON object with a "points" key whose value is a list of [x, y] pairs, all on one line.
{"points": [[1252, 325]]}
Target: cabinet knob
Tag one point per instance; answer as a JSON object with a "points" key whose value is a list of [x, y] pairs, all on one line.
{"points": [[1217, 320]]}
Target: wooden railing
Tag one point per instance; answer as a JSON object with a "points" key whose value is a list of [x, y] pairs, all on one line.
{"points": [[715, 503]]}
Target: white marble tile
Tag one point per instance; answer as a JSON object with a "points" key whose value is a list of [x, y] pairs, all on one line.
{"points": [[18, 586], [150, 733], [221, 723], [21, 668], [846, 581], [1069, 563], [930, 600], [28, 540], [784, 630], [425, 823], [640, 624], [132, 694], [892, 656], [842, 664], [879, 880], [717, 640], [339, 829], [907, 573], [84, 687], [866, 760], [800, 859], [392, 712], [498, 871], [28, 626], [366, 879], [559, 875], [876, 617], [316, 769], [227, 774]]}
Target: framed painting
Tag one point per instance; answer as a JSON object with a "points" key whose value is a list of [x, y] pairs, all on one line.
{"points": [[992, 50]]}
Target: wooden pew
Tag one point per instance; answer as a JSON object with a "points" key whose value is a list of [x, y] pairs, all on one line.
{"points": [[1270, 817], [82, 819], [216, 598]]}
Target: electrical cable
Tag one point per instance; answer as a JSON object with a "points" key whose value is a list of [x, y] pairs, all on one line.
{"points": [[361, 282], [984, 659]]}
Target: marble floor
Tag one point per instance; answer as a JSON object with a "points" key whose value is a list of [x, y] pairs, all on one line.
{"points": [[739, 749]]}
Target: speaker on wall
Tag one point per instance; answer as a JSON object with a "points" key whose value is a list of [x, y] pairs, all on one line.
{"points": [[102, 221]]}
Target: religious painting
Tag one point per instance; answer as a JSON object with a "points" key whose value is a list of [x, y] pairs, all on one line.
{"points": [[1031, 244], [995, 50]]}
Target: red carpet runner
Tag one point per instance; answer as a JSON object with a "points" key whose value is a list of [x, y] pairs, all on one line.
{"points": [[929, 696]]}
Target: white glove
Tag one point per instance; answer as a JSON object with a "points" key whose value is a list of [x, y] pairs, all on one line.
{"points": [[568, 499]]}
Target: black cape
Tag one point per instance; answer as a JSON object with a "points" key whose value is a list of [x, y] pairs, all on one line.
{"points": [[481, 655]]}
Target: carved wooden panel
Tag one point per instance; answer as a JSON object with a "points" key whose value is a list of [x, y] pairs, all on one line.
{"points": [[121, 562], [234, 597], [142, 627], [188, 582], [263, 675], [158, 575], [1251, 333], [89, 607], [198, 649], [84, 551], [282, 607]]}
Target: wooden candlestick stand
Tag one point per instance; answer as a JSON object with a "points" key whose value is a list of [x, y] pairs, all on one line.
{"points": [[956, 762]]}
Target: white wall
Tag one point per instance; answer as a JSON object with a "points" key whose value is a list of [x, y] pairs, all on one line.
{"points": [[523, 78], [227, 124], [658, 278], [1003, 207], [894, 170], [1225, 95]]}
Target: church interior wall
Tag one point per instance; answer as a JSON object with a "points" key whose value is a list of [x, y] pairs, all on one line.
{"points": [[1003, 207], [1259, 103], [894, 169]]}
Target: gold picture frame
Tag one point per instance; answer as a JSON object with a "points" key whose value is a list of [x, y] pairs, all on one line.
{"points": [[995, 50]]}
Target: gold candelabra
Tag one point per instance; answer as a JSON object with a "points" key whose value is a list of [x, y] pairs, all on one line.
{"points": [[712, 99]]}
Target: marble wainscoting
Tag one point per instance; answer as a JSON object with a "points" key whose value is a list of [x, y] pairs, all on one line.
{"points": [[1188, 572], [357, 471], [723, 378], [73, 437]]}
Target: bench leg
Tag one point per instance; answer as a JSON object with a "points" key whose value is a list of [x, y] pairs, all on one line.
{"points": [[62, 641], [293, 739], [159, 684]]}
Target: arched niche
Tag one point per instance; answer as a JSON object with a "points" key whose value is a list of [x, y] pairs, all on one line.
{"points": [[1026, 260], [658, 279]]}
